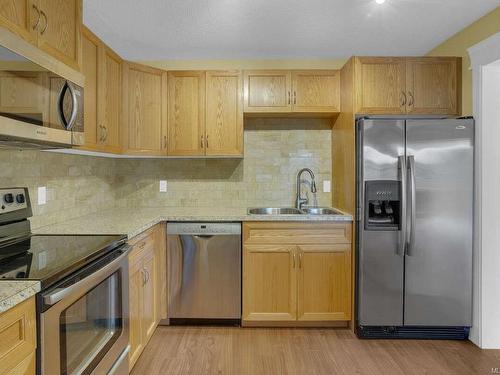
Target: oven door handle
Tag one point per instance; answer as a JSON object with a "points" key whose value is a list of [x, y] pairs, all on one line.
{"points": [[89, 281]]}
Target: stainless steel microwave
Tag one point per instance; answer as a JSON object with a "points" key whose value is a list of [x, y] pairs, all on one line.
{"points": [[38, 108]]}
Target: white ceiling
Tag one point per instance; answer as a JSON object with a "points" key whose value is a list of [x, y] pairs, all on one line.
{"points": [[273, 29]]}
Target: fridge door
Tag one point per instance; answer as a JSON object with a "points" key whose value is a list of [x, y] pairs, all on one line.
{"points": [[380, 259], [438, 265]]}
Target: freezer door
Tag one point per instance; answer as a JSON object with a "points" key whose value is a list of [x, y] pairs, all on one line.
{"points": [[380, 263], [438, 265]]}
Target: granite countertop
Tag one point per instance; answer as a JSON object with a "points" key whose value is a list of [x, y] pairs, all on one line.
{"points": [[13, 292], [133, 221]]}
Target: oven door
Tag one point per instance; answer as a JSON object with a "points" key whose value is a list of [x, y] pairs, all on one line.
{"points": [[84, 325]]}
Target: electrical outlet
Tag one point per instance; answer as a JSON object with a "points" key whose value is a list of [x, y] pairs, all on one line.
{"points": [[327, 186], [163, 186], [42, 195]]}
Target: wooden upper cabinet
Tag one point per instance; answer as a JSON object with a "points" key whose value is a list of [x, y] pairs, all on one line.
{"points": [[224, 114], [380, 85], [60, 30], [90, 55], [186, 113], [269, 283], [142, 103], [267, 91], [109, 98], [316, 91], [324, 282], [432, 85], [20, 17]]}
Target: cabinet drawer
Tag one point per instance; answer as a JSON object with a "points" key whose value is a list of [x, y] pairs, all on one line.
{"points": [[17, 335], [296, 233]]}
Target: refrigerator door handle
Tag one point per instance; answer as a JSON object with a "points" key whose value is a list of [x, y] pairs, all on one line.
{"points": [[411, 237], [402, 233]]}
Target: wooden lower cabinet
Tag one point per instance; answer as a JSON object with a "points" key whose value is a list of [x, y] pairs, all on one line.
{"points": [[269, 281], [296, 272], [146, 265], [18, 339], [324, 282]]}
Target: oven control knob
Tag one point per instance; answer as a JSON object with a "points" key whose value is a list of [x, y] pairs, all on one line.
{"points": [[8, 198], [20, 198]]}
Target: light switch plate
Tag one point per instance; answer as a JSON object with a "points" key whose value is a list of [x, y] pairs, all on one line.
{"points": [[327, 186], [42, 195], [163, 186]]}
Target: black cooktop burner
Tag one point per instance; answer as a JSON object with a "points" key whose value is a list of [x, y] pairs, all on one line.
{"points": [[49, 258]]}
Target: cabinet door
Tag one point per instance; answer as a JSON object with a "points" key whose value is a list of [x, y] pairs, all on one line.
{"points": [[432, 85], [269, 283], [17, 336], [60, 30], [186, 113], [149, 294], [21, 17], [142, 93], [109, 111], [224, 114], [324, 282], [160, 239], [136, 283], [380, 85], [90, 48], [316, 91], [267, 91]]}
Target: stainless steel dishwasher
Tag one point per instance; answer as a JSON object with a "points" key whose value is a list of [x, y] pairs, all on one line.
{"points": [[204, 272]]}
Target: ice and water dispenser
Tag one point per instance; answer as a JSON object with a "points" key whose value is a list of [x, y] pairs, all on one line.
{"points": [[382, 200]]}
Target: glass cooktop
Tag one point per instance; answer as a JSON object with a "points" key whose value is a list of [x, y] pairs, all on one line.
{"points": [[49, 258]]}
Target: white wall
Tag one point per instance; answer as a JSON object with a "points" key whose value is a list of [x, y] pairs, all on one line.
{"points": [[486, 81]]}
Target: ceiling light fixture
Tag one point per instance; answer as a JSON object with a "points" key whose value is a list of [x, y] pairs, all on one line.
{"points": [[380, 1]]}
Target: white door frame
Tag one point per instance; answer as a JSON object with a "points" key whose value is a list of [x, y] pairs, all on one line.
{"points": [[485, 58]]}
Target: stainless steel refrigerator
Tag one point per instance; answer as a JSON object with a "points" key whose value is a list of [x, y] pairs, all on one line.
{"points": [[415, 221]]}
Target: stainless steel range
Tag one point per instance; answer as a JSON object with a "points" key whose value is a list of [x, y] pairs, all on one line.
{"points": [[82, 309]]}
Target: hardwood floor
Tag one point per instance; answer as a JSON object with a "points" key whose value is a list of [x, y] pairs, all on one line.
{"points": [[258, 351]]}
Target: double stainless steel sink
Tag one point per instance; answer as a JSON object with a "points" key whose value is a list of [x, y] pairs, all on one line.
{"points": [[294, 211]]}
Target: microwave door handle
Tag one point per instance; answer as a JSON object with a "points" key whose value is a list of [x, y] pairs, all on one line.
{"points": [[87, 282], [74, 101], [413, 201], [402, 232]]}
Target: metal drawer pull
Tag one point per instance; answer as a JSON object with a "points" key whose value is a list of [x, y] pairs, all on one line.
{"points": [[300, 260], [289, 100], [294, 260]]}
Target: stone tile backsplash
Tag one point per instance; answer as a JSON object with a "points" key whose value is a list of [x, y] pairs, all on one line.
{"points": [[76, 185], [275, 149]]}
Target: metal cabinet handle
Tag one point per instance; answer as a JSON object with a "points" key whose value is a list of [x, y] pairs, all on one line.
{"points": [[294, 259], [300, 259], [400, 250], [206, 141], [141, 246], [201, 142], [411, 237], [164, 141], [289, 100], [38, 17], [103, 129], [412, 99], [143, 271], [295, 97], [105, 137], [403, 99], [46, 22], [100, 134]]}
